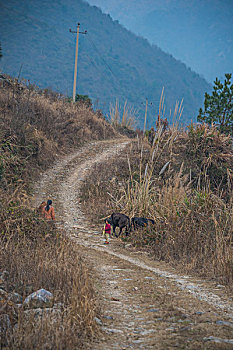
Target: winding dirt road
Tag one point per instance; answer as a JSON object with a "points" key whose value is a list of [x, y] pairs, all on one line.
{"points": [[145, 304]]}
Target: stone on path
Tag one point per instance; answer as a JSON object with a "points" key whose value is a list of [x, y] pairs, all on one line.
{"points": [[219, 340]]}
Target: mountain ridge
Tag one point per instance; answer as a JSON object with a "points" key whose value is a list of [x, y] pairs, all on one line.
{"points": [[196, 32], [138, 70]]}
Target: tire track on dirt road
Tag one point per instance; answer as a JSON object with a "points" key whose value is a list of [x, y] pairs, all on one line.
{"points": [[146, 305]]}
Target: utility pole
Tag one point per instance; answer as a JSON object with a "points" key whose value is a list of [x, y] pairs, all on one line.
{"points": [[146, 110], [76, 59]]}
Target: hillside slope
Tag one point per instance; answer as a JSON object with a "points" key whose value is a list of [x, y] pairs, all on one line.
{"points": [[145, 304], [113, 62], [35, 129], [193, 31]]}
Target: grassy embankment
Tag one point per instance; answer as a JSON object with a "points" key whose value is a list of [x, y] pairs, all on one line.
{"points": [[35, 128], [184, 181]]}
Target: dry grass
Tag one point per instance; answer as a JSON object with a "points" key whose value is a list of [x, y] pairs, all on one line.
{"points": [[192, 209], [35, 127], [101, 187], [127, 120], [184, 182], [65, 123], [37, 257]]}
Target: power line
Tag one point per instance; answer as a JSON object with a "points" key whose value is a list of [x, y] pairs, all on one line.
{"points": [[91, 60], [106, 64]]}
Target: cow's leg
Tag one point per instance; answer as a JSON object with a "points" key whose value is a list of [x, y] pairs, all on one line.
{"points": [[132, 224], [120, 230], [129, 227], [114, 230], [126, 230]]}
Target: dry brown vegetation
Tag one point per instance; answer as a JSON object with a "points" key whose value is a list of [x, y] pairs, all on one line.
{"points": [[182, 179], [36, 257], [35, 128], [125, 122], [184, 182]]}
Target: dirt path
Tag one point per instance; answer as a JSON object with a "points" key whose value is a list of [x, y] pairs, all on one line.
{"points": [[146, 305]]}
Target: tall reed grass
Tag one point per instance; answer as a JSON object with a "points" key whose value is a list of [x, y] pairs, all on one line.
{"points": [[190, 199], [127, 120]]}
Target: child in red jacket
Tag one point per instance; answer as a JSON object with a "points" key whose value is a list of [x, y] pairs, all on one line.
{"points": [[106, 231]]}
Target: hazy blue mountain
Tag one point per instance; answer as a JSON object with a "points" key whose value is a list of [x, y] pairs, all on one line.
{"points": [[113, 62], [198, 32]]}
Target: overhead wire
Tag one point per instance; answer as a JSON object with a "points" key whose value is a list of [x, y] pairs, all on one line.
{"points": [[106, 64]]}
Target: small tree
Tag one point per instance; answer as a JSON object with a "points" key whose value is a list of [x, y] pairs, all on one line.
{"points": [[85, 99], [218, 107]]}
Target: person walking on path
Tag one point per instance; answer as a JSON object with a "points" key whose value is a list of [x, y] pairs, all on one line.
{"points": [[48, 211], [106, 231]]}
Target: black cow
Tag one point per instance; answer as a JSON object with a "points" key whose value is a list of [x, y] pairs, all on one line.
{"points": [[137, 222], [121, 221]]}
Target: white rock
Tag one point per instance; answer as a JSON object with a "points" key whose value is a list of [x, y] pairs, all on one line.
{"points": [[98, 321], [39, 299]]}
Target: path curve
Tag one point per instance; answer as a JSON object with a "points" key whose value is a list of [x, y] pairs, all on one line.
{"points": [[125, 273]]}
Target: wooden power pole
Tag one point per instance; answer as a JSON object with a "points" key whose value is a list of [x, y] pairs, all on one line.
{"points": [[76, 59], [144, 129]]}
